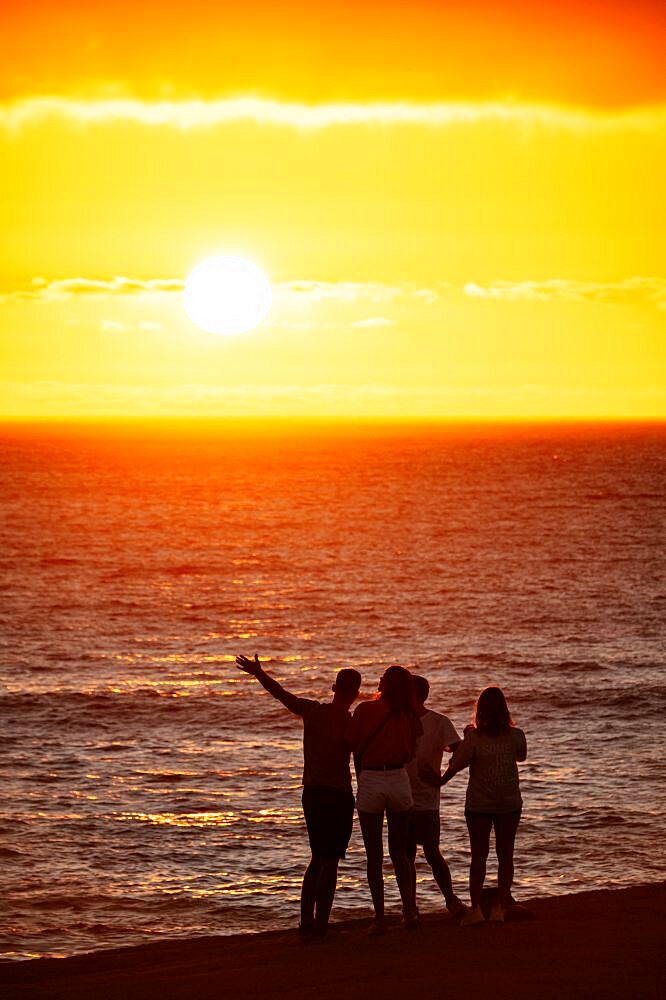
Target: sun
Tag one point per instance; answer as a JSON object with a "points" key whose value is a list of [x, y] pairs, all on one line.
{"points": [[227, 295]]}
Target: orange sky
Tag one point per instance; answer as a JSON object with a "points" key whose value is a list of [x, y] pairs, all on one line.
{"points": [[461, 207], [592, 53]]}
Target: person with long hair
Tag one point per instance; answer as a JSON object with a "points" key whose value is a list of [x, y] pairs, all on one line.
{"points": [[383, 735], [491, 749]]}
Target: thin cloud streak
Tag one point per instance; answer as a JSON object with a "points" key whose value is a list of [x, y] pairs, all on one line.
{"points": [[373, 322], [192, 114], [630, 291], [299, 295], [342, 291], [68, 288]]}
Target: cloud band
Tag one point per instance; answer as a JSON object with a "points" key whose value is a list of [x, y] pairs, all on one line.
{"points": [[185, 115]]}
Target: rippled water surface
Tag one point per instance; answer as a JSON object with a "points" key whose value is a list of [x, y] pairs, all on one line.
{"points": [[149, 788]]}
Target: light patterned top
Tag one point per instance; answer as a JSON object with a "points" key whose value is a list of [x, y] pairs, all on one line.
{"points": [[493, 772]]}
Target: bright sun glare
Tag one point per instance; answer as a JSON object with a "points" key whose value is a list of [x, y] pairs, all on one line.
{"points": [[227, 295]]}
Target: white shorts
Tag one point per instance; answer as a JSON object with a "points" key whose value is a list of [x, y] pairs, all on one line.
{"points": [[384, 790]]}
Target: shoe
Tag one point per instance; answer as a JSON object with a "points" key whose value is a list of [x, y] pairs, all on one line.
{"points": [[497, 914], [411, 923], [456, 907], [473, 916], [377, 928]]}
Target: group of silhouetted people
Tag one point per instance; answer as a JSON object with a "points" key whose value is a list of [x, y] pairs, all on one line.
{"points": [[397, 746]]}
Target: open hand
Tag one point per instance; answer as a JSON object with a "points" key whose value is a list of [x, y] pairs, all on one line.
{"points": [[247, 665]]}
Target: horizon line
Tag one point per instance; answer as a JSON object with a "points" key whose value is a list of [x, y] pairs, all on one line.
{"points": [[512, 419]]}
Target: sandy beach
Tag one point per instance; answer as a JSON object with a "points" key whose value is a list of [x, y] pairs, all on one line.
{"points": [[601, 944]]}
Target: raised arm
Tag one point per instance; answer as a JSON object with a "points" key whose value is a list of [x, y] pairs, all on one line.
{"points": [[255, 669]]}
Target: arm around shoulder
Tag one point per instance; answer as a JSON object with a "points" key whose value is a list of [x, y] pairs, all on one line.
{"points": [[354, 732]]}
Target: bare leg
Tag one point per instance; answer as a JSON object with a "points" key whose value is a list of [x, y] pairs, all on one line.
{"points": [[411, 854], [398, 834], [371, 828], [505, 836], [440, 870], [326, 883], [479, 828], [309, 893]]}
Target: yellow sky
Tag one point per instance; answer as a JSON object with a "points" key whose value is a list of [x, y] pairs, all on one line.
{"points": [[432, 254]]}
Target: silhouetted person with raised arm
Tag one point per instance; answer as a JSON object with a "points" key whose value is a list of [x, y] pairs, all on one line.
{"points": [[439, 734], [328, 800]]}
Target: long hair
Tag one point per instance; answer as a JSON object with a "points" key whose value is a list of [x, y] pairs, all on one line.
{"points": [[397, 688], [492, 712]]}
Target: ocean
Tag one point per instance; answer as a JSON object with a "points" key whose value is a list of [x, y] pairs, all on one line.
{"points": [[150, 789]]}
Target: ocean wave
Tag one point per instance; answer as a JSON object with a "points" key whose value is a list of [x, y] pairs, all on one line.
{"points": [[133, 571], [47, 778], [580, 666], [143, 798], [140, 902], [108, 708], [165, 777]]}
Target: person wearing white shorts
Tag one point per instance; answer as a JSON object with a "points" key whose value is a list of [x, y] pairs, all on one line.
{"points": [[383, 735], [385, 790]]}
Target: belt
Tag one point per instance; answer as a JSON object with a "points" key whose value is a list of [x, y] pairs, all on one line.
{"points": [[382, 767]]}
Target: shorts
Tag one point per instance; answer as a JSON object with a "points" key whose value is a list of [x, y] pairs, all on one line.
{"points": [[384, 790], [424, 827], [329, 814]]}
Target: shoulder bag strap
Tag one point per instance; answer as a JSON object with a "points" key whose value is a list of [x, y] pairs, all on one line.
{"points": [[358, 756]]}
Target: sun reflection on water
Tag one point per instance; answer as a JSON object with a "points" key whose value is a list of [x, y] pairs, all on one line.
{"points": [[202, 819]]}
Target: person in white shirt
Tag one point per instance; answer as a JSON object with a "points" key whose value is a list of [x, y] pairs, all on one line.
{"points": [[439, 734], [491, 749]]}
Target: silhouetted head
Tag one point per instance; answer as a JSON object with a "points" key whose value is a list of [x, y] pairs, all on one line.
{"points": [[492, 712], [397, 688], [347, 684], [421, 688]]}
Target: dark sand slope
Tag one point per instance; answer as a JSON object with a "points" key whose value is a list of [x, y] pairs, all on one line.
{"points": [[592, 945]]}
